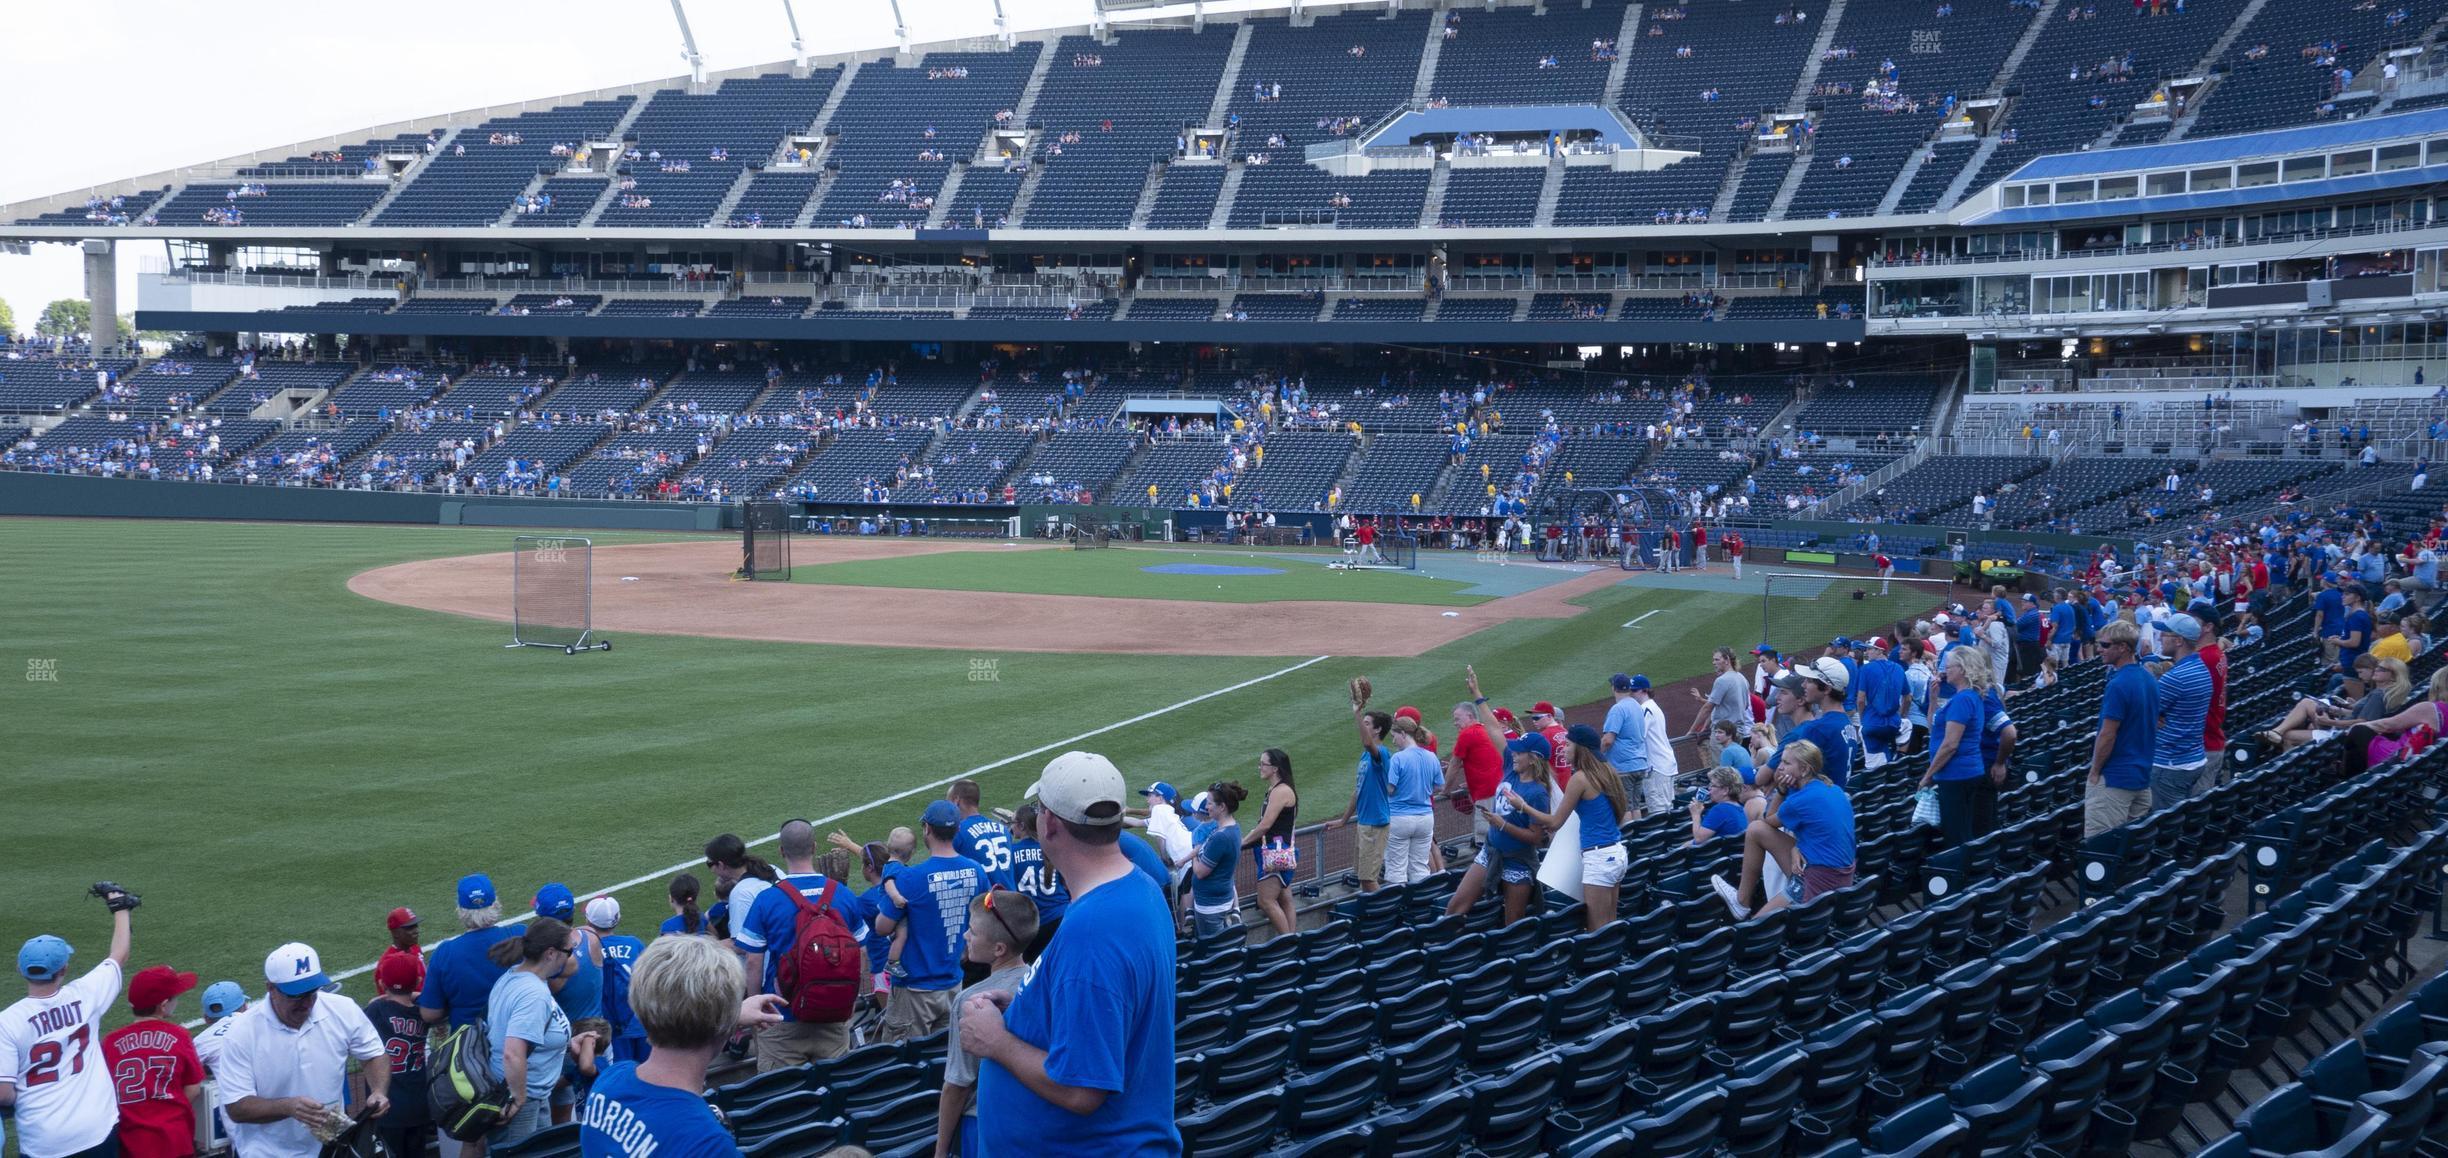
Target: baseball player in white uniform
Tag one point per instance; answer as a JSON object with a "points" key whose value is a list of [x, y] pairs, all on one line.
{"points": [[52, 1071]]}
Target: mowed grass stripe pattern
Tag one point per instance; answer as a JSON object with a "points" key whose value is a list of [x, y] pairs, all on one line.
{"points": [[1119, 572], [268, 757]]}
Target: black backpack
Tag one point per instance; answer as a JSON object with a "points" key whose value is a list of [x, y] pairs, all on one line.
{"points": [[467, 1100]]}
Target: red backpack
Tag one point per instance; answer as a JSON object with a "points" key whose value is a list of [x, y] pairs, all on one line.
{"points": [[819, 974]]}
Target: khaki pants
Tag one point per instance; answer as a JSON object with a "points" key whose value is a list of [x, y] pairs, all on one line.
{"points": [[2210, 771], [794, 1043], [917, 1012], [1368, 853], [2105, 808]]}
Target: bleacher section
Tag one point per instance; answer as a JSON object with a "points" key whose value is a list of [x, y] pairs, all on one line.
{"points": [[52, 386], [1295, 473], [1127, 111], [1870, 404], [944, 104], [1938, 62], [489, 392], [2054, 113], [271, 380], [968, 465], [1275, 307], [1396, 467], [1512, 57], [631, 464], [476, 179], [594, 390], [1379, 309], [851, 457], [679, 179], [774, 199], [170, 385], [1322, 80], [123, 209], [2285, 87], [1074, 460], [1940, 484], [271, 203], [1484, 198], [1297, 195], [650, 308], [345, 161], [749, 462], [1186, 199]]}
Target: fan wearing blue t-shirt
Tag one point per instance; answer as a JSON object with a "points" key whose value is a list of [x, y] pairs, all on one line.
{"points": [[459, 973], [2355, 629], [978, 836], [1035, 879], [1371, 806], [1080, 1060], [2118, 790], [1719, 811], [1967, 797], [684, 989], [931, 897], [1882, 689], [1214, 901], [2178, 751], [767, 932], [603, 914], [1815, 694]]}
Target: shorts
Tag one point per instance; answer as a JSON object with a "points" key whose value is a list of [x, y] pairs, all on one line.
{"points": [[796, 1043], [1368, 853], [1819, 880], [1603, 867], [1513, 871], [1258, 861], [912, 1013]]}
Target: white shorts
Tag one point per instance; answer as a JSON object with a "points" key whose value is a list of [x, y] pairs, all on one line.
{"points": [[1603, 867]]}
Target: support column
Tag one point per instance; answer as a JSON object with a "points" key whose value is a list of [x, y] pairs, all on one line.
{"points": [[102, 291]]}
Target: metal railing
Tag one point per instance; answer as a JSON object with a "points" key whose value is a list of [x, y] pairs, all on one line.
{"points": [[2189, 245]]}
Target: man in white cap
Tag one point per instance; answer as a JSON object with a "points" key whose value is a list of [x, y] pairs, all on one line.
{"points": [[1080, 1059], [52, 1069], [283, 1072]]}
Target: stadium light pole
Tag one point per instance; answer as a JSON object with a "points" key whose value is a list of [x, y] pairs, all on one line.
{"points": [[1002, 25], [900, 28], [688, 47], [799, 65]]}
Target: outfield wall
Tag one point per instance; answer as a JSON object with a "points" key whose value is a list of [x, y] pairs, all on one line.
{"points": [[24, 493]]}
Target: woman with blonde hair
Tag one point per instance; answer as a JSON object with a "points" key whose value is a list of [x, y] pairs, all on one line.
{"points": [[685, 993], [1595, 795], [2311, 720], [2380, 740], [1807, 831]]}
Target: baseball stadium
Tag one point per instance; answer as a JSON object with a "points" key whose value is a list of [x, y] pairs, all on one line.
{"points": [[1873, 560]]}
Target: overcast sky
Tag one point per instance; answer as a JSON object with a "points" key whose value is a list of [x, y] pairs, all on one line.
{"points": [[106, 89]]}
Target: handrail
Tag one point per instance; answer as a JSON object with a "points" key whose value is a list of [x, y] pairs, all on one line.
{"points": [[2372, 229]]}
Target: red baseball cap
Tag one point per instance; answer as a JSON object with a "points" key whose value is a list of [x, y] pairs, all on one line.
{"points": [[402, 917], [1543, 708], [1506, 715], [156, 984], [396, 971], [1407, 712]]}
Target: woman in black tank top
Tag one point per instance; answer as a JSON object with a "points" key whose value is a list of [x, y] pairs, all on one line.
{"points": [[1274, 825]]}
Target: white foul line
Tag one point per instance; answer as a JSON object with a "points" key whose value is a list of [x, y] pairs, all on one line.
{"points": [[1643, 615], [847, 813]]}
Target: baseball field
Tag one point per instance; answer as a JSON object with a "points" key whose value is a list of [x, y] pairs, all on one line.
{"points": [[281, 731]]}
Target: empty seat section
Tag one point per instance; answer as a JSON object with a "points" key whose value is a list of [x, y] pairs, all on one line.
{"points": [[557, 305], [476, 179], [1492, 197], [1171, 472], [272, 203], [942, 106], [773, 199], [1937, 59], [1296, 471], [749, 461], [651, 308], [1173, 310], [1387, 309], [2281, 85], [1514, 56], [1606, 197], [609, 391], [1187, 197], [851, 461], [1396, 467], [631, 464], [688, 149], [1075, 463], [1871, 404], [1477, 309], [968, 466], [1276, 307], [1113, 110], [984, 199], [1318, 88], [346, 160], [1292, 194], [761, 306]]}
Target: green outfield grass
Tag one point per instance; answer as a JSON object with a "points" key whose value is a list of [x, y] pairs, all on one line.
{"points": [[1118, 572], [267, 757]]}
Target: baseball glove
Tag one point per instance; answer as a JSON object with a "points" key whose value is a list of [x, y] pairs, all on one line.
{"points": [[119, 899], [1360, 691]]}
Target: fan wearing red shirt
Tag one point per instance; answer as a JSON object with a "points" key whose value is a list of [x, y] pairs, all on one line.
{"points": [[1476, 767], [1548, 722], [1700, 546], [2214, 726], [1734, 551], [155, 1070]]}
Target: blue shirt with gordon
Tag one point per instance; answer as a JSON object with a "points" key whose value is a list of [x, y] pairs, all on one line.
{"points": [[626, 1117]]}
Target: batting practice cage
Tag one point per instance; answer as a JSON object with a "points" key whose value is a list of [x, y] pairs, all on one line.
{"points": [[552, 593], [1804, 612], [1079, 538], [1393, 551], [1625, 524], [765, 541]]}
